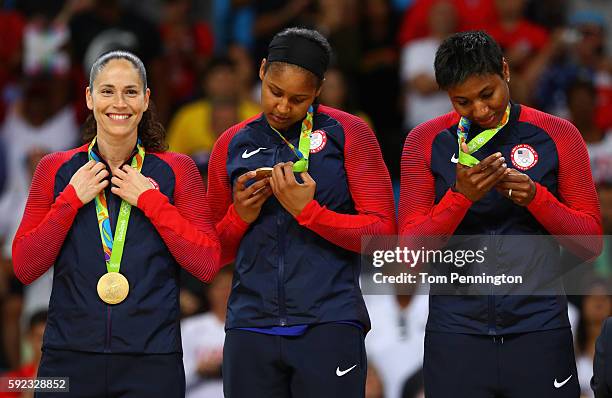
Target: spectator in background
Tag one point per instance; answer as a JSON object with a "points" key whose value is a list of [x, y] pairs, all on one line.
{"points": [[395, 344], [11, 302], [335, 93], [577, 52], [522, 42], [551, 14], [473, 14], [203, 336], [378, 78], [423, 99], [271, 16], [338, 21], [601, 383], [414, 386], [3, 166], [46, 38], [595, 309], [188, 45], [34, 336], [582, 107], [12, 24], [233, 23], [223, 115], [194, 128], [399, 6], [245, 73], [603, 264], [374, 386], [378, 75], [192, 299], [600, 7], [42, 121]]}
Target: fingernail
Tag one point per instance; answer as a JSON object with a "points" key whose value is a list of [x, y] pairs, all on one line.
{"points": [[504, 165], [502, 159], [498, 154]]}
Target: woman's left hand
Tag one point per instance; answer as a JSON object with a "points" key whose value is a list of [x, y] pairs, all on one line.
{"points": [[128, 183], [292, 195], [517, 187]]}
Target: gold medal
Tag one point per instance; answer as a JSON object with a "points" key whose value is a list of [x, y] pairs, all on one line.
{"points": [[113, 287]]}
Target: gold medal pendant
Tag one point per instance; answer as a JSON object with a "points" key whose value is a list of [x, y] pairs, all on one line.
{"points": [[113, 287]]}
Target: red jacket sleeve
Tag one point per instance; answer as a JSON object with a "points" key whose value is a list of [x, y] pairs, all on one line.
{"points": [[46, 221], [576, 210], [228, 224], [370, 187], [185, 226], [419, 215]]}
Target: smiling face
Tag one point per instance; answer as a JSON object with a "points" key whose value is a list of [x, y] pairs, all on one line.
{"points": [[286, 93], [482, 98], [118, 99]]}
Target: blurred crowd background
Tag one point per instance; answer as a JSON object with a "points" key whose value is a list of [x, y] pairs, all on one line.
{"points": [[202, 57]]}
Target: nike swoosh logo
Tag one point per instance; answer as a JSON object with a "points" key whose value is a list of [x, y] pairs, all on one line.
{"points": [[247, 154], [341, 373], [454, 158], [559, 385]]}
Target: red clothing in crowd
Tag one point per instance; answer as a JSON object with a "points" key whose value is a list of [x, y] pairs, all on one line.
{"points": [[28, 370], [526, 34], [472, 14], [11, 33]]}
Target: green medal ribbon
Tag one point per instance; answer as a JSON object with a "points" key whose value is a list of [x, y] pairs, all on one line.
{"points": [[477, 142], [113, 247], [303, 150]]}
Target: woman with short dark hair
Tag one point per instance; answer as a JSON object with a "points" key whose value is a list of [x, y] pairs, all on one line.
{"points": [[508, 176]]}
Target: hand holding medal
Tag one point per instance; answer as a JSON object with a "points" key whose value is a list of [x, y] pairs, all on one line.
{"points": [[474, 182], [475, 178], [248, 200], [518, 187], [292, 195]]}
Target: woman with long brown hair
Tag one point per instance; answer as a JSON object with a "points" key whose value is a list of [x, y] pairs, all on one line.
{"points": [[116, 217]]}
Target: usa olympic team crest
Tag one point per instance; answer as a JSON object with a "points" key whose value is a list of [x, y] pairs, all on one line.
{"points": [[524, 157], [318, 139]]}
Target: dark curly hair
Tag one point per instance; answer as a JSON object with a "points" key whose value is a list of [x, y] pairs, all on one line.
{"points": [[150, 131], [467, 54]]}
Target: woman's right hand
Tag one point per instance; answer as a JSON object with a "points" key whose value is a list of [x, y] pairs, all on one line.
{"points": [[249, 200], [89, 180], [475, 182]]}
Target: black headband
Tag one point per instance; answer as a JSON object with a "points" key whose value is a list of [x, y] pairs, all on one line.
{"points": [[300, 51]]}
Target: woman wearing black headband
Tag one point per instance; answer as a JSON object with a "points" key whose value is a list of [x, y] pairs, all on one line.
{"points": [[296, 319]]}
